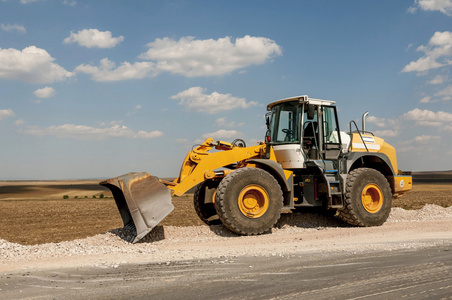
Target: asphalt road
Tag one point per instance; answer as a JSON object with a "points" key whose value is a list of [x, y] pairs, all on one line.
{"points": [[410, 274]]}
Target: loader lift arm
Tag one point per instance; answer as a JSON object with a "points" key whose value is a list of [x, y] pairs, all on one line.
{"points": [[200, 165]]}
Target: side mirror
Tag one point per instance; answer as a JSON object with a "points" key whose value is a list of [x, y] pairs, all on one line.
{"points": [[311, 112], [267, 119]]}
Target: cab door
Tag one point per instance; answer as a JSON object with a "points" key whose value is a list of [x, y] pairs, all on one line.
{"points": [[331, 138]]}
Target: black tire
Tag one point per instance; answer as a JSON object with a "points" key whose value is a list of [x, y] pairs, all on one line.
{"points": [[204, 206], [249, 201], [368, 198]]}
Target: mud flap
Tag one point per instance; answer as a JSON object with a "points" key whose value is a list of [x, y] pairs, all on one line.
{"points": [[142, 200]]}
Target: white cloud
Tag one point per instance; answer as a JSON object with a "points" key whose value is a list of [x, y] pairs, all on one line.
{"points": [[380, 122], [438, 79], [386, 133], [32, 64], [437, 53], [82, 132], [107, 70], [445, 93], [195, 98], [222, 134], [393, 124], [410, 149], [5, 113], [70, 2], [430, 123], [93, 38], [425, 139], [135, 110], [191, 57], [422, 64], [46, 92], [414, 144], [19, 122], [15, 27], [65, 2], [187, 56], [425, 115], [444, 6], [425, 99], [221, 122]]}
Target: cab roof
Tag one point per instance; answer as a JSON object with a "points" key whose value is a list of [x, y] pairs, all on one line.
{"points": [[302, 99]]}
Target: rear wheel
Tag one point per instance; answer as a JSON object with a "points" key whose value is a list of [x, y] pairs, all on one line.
{"points": [[249, 201], [203, 202], [368, 198]]}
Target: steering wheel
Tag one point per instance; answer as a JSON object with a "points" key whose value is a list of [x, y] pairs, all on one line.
{"points": [[289, 133]]}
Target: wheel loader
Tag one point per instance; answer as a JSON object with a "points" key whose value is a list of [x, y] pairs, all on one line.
{"points": [[304, 161]]}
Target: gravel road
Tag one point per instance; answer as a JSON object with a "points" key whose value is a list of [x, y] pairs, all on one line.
{"points": [[294, 234]]}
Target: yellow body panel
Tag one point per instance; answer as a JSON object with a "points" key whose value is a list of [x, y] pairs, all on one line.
{"points": [[376, 145], [402, 184]]}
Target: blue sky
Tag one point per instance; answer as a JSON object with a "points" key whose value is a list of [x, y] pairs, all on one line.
{"points": [[92, 89]]}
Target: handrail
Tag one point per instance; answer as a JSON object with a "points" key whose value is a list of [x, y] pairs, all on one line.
{"points": [[350, 126], [316, 144]]}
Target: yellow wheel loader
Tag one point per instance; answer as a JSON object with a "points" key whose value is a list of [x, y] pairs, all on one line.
{"points": [[305, 161]]}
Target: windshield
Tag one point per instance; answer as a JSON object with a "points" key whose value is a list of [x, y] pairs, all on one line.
{"points": [[285, 123]]}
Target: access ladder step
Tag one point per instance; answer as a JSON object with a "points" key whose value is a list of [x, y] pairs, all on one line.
{"points": [[336, 200]]}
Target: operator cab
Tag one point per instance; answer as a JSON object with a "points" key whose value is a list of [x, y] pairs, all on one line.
{"points": [[302, 129]]}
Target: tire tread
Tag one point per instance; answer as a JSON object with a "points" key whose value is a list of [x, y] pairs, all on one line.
{"points": [[220, 200], [349, 213]]}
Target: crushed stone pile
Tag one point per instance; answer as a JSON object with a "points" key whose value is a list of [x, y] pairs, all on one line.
{"points": [[427, 213], [117, 241]]}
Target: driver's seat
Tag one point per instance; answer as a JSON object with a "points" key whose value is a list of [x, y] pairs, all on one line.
{"points": [[309, 139]]}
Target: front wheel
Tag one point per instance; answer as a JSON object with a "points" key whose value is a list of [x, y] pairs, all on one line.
{"points": [[368, 198], [249, 201]]}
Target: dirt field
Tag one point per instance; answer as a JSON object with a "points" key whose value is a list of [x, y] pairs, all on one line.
{"points": [[36, 213]]}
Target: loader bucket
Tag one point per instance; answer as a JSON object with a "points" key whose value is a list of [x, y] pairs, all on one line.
{"points": [[142, 200]]}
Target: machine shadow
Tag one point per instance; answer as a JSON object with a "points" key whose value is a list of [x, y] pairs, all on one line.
{"points": [[307, 218], [311, 218], [128, 235]]}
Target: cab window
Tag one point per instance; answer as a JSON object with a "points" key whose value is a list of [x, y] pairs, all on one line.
{"points": [[330, 127], [285, 123]]}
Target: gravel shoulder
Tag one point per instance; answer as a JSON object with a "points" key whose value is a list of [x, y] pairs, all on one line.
{"points": [[299, 234]]}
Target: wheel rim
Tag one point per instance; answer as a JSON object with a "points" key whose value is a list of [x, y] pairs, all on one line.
{"points": [[213, 196], [253, 201], [372, 198]]}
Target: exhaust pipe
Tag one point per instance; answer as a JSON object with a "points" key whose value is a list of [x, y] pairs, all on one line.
{"points": [[364, 121]]}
